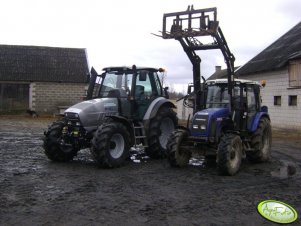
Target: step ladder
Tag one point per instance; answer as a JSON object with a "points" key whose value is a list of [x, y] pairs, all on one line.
{"points": [[139, 134]]}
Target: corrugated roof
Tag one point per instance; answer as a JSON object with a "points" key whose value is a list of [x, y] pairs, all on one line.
{"points": [[43, 64], [277, 55]]}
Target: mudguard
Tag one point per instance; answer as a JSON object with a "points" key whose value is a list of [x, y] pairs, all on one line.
{"points": [[256, 120], [155, 106]]}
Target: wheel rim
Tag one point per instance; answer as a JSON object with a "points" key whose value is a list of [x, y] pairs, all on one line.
{"points": [[265, 142], [116, 145], [166, 127], [234, 156]]}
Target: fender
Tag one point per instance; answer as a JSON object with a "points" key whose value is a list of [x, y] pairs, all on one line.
{"points": [[222, 127], [126, 123], [155, 106], [256, 120]]}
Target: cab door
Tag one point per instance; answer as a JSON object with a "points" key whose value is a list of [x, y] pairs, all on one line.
{"points": [[146, 91], [251, 105]]}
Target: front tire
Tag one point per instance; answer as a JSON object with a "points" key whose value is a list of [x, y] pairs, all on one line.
{"points": [[229, 154], [261, 142], [53, 144], [176, 156], [111, 145], [160, 129]]}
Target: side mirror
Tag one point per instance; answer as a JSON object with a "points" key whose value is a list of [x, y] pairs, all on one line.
{"points": [[142, 76], [93, 72], [92, 81]]}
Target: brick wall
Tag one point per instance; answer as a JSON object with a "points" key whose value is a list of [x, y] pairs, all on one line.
{"points": [[283, 116], [46, 97]]}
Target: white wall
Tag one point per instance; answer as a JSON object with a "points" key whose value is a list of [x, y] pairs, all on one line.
{"points": [[277, 84], [46, 97], [183, 112]]}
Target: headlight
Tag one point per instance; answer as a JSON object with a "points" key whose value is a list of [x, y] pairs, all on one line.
{"points": [[203, 127], [195, 126]]}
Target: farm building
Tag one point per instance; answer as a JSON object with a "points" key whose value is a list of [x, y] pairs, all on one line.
{"points": [[41, 78], [280, 65]]}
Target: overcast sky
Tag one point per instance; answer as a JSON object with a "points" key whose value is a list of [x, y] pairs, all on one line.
{"points": [[118, 32]]}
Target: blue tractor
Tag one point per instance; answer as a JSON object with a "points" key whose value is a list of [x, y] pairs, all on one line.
{"points": [[228, 120]]}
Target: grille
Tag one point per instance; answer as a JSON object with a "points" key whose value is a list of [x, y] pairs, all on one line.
{"points": [[71, 116], [201, 122]]}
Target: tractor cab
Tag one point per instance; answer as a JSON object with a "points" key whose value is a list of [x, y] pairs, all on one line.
{"points": [[215, 117], [134, 88]]}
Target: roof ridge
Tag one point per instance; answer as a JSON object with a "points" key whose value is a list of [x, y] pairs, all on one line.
{"points": [[282, 59]]}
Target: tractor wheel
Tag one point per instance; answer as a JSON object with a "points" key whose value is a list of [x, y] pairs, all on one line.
{"points": [[160, 129], [53, 145], [176, 156], [229, 154], [111, 144], [261, 142]]}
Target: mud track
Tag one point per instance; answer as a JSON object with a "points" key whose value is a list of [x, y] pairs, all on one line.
{"points": [[36, 191]]}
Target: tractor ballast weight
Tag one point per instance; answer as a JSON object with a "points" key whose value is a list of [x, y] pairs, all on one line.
{"points": [[228, 120], [124, 107]]}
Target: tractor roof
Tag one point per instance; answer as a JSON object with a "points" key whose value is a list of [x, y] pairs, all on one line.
{"points": [[237, 81], [127, 68]]}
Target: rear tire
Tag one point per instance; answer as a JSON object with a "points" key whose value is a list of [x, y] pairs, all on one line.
{"points": [[176, 156], [53, 148], [229, 154], [160, 129], [261, 142], [111, 145]]}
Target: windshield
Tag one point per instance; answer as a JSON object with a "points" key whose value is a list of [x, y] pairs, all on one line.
{"points": [[218, 97], [116, 84]]}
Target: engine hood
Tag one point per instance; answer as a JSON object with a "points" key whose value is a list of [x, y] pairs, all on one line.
{"points": [[214, 112], [92, 112], [202, 120]]}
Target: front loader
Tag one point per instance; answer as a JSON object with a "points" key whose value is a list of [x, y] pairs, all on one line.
{"points": [[229, 122]]}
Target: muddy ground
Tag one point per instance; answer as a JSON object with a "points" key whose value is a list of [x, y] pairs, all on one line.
{"points": [[36, 191]]}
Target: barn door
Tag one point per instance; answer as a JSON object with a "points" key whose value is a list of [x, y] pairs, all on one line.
{"points": [[14, 98]]}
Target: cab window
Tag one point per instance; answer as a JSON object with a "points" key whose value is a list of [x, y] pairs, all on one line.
{"points": [[251, 99]]}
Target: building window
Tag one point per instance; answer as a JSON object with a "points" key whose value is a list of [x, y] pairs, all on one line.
{"points": [[294, 73], [277, 100], [292, 100]]}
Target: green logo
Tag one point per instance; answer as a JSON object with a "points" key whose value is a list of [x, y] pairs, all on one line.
{"points": [[276, 211]]}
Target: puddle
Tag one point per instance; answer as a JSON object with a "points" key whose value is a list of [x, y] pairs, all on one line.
{"points": [[20, 138]]}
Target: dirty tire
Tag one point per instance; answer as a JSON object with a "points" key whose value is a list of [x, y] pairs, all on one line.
{"points": [[160, 129], [261, 142], [176, 156], [229, 154], [52, 147], [111, 145]]}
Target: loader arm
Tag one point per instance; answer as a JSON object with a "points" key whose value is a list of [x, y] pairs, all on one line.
{"points": [[186, 26]]}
